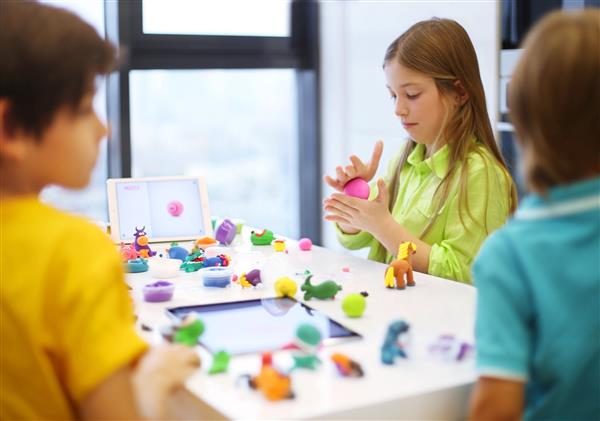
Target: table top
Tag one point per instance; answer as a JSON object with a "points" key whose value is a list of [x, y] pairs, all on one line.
{"points": [[420, 386]]}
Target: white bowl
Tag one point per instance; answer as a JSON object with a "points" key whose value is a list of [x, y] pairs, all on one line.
{"points": [[164, 268]]}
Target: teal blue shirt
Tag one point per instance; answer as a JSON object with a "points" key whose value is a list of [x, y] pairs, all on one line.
{"points": [[538, 309]]}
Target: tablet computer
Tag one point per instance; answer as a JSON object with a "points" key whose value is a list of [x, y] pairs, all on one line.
{"points": [[259, 325], [167, 208]]}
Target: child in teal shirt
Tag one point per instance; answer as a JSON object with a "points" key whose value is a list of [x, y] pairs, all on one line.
{"points": [[449, 187], [538, 278]]}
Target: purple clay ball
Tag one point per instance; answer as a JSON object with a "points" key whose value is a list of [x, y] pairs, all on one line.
{"points": [[357, 187]]}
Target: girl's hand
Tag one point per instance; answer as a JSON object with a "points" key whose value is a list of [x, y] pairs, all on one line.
{"points": [[366, 171], [366, 215]]}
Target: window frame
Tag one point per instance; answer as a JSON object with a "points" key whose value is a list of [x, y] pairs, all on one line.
{"points": [[299, 51]]}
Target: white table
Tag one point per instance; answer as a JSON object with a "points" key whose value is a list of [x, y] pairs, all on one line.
{"points": [[420, 387]]}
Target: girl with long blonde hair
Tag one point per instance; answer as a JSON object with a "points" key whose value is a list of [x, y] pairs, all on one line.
{"points": [[449, 187]]}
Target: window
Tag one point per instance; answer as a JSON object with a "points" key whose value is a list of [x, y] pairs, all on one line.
{"points": [[217, 17], [228, 126], [232, 99], [90, 202]]}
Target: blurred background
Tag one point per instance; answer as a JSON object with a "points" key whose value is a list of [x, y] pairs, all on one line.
{"points": [[264, 97]]}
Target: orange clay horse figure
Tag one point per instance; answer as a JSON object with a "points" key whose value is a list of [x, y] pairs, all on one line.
{"points": [[400, 267]]}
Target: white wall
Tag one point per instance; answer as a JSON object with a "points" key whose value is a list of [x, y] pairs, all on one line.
{"points": [[356, 108]]}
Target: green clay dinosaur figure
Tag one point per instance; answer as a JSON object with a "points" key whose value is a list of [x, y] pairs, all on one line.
{"points": [[262, 238], [322, 291]]}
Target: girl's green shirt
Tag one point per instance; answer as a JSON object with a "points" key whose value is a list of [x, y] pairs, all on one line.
{"points": [[454, 245]]}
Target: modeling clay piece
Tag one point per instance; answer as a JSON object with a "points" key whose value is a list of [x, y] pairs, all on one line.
{"points": [[285, 287], [136, 265], [239, 225], [197, 260], [394, 274], [175, 208], [347, 367], [261, 238], [273, 384], [450, 348], [357, 187], [218, 277], [141, 243], [128, 252], [220, 363], [203, 242], [308, 339], [391, 347], [305, 244], [279, 245], [354, 305], [250, 279], [226, 232], [189, 330], [158, 291], [322, 291], [176, 252]]}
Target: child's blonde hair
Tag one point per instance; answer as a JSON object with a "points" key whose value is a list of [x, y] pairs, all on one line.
{"points": [[554, 99], [441, 49]]}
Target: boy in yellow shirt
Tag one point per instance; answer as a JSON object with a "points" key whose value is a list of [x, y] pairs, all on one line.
{"points": [[69, 348]]}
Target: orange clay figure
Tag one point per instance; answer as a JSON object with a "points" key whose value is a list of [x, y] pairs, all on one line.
{"points": [[274, 385], [400, 267], [346, 367], [203, 242]]}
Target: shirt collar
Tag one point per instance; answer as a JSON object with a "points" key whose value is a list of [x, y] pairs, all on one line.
{"points": [[561, 194], [437, 163]]}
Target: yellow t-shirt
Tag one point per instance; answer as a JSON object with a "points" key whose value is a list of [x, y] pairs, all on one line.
{"points": [[66, 318]]}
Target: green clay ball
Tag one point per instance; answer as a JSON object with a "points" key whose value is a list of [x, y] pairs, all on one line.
{"points": [[354, 305]]}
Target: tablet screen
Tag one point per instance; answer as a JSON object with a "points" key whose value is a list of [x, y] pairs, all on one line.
{"points": [[167, 209], [259, 325]]}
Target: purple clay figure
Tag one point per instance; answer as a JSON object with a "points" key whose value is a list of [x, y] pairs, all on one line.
{"points": [[141, 243], [251, 278], [226, 232]]}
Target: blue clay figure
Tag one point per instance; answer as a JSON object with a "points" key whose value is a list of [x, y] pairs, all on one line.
{"points": [[136, 265], [391, 347], [177, 252]]}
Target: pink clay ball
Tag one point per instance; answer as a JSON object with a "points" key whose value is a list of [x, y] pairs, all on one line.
{"points": [[305, 244], [175, 208], [357, 187]]}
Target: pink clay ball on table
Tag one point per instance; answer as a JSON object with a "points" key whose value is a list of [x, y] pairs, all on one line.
{"points": [[305, 244], [357, 187]]}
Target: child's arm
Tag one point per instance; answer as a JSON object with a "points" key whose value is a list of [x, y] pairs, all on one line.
{"points": [[497, 399], [373, 216], [112, 399], [160, 373], [141, 393]]}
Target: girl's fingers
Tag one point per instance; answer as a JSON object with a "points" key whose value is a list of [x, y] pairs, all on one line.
{"points": [[334, 183], [338, 219], [356, 162], [341, 175], [377, 151], [334, 208], [337, 204], [350, 171], [341, 201]]}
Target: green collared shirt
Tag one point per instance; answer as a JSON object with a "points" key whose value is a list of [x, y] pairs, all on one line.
{"points": [[453, 246]]}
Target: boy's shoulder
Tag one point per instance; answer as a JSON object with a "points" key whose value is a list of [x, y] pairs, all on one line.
{"points": [[49, 227]]}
